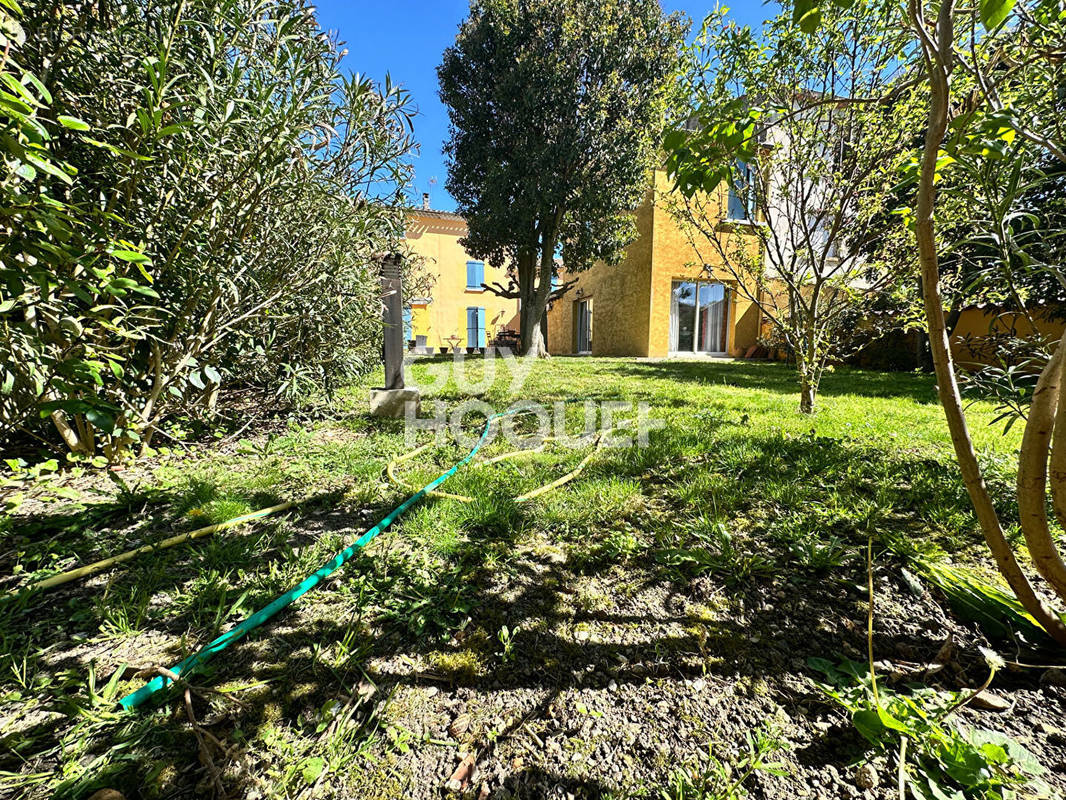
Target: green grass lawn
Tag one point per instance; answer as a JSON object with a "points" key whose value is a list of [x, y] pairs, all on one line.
{"points": [[736, 499]]}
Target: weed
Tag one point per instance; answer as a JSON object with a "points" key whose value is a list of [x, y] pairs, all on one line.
{"points": [[507, 639], [818, 556], [710, 547], [938, 758], [720, 781], [615, 548]]}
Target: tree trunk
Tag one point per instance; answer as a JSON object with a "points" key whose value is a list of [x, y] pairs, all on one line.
{"points": [[1057, 467], [1032, 476], [938, 60], [807, 362], [807, 396], [70, 438], [535, 278], [530, 331]]}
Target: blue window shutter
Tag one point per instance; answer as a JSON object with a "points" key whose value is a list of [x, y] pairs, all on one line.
{"points": [[475, 274], [481, 327]]}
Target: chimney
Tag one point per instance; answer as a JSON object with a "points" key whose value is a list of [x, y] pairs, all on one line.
{"points": [[425, 201]]}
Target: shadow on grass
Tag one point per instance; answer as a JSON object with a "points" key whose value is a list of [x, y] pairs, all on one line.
{"points": [[780, 378], [399, 620]]}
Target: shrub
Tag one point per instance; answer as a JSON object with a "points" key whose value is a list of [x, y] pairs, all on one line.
{"points": [[196, 198]]}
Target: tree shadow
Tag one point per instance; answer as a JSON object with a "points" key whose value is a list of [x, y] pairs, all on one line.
{"points": [[780, 378], [688, 654]]}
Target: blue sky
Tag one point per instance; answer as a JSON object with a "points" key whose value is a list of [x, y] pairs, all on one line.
{"points": [[406, 38]]}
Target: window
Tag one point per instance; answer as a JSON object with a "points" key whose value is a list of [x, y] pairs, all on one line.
{"points": [[699, 314], [739, 193], [475, 274], [475, 326], [583, 326]]}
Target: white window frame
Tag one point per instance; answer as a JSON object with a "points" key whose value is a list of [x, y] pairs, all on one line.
{"points": [[742, 201], [726, 289]]}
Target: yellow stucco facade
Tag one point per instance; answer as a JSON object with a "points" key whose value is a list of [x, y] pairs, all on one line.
{"points": [[443, 317], [630, 304]]}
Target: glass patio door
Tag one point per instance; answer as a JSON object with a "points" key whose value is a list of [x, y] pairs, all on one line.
{"points": [[699, 314]]}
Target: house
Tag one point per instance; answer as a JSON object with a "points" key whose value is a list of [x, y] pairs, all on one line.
{"points": [[459, 312], [661, 300]]}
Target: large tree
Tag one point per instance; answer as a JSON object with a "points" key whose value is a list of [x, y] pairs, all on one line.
{"points": [[555, 107]]}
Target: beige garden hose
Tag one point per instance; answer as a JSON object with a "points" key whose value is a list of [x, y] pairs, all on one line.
{"points": [[97, 566], [390, 470]]}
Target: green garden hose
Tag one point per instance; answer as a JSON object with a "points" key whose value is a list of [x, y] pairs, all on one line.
{"points": [[140, 696], [390, 470]]}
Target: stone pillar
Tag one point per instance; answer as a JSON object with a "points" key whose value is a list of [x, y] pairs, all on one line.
{"points": [[391, 400], [392, 296]]}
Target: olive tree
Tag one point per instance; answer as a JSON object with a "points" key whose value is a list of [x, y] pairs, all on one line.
{"points": [[555, 109]]}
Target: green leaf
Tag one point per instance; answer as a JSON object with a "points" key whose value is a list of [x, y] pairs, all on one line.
{"points": [[170, 130], [807, 14], [117, 150], [29, 77], [73, 123], [312, 768], [119, 286], [101, 419], [131, 256], [890, 721], [48, 167], [994, 12], [869, 724]]}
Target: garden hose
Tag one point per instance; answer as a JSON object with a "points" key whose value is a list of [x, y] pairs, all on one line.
{"points": [[193, 661], [97, 566], [391, 469]]}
